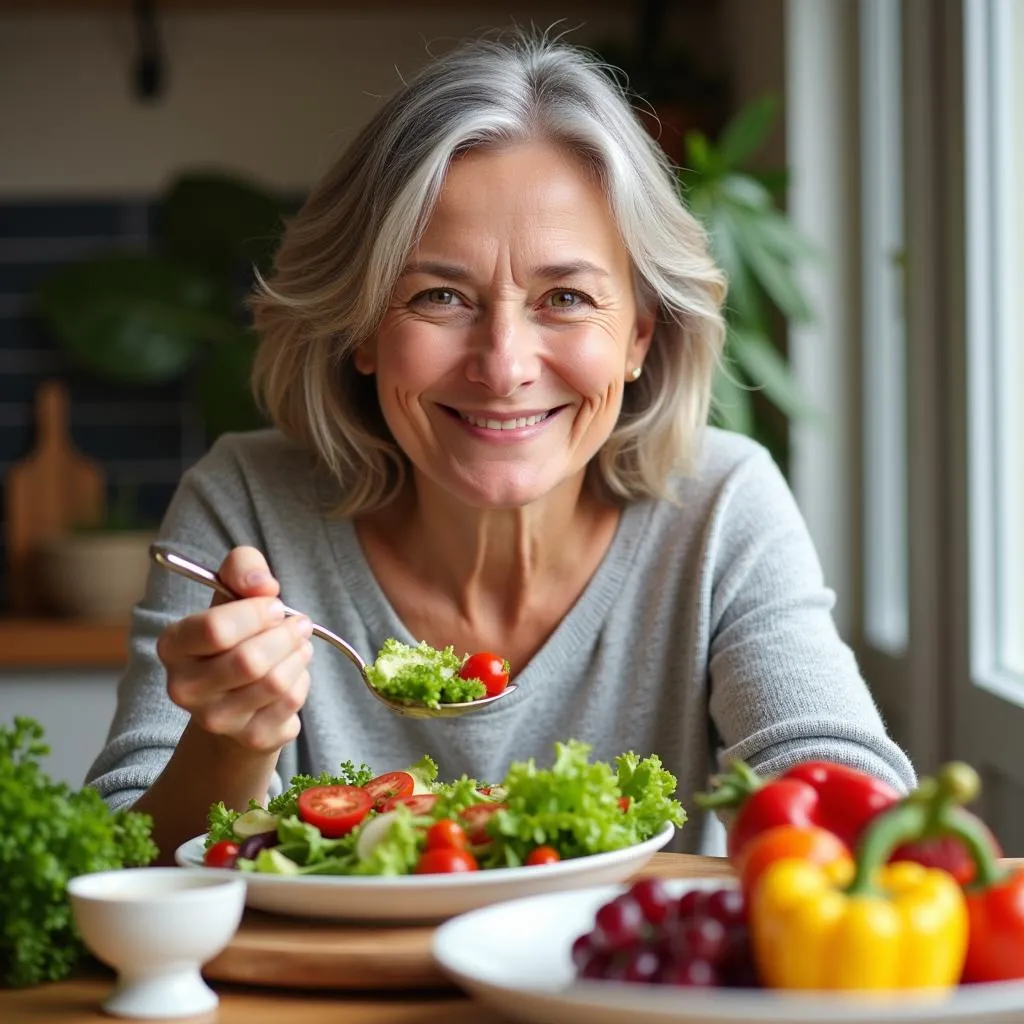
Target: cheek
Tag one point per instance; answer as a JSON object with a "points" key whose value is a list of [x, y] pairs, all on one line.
{"points": [[412, 358], [590, 362]]}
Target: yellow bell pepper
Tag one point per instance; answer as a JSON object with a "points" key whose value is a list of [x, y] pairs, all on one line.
{"points": [[865, 924]]}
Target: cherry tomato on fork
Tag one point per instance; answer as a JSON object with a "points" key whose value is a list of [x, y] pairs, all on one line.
{"points": [[335, 810], [490, 669]]}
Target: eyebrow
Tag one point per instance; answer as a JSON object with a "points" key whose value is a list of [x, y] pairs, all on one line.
{"points": [[550, 272]]}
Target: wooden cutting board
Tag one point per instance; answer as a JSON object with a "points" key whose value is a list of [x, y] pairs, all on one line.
{"points": [[299, 953], [48, 492]]}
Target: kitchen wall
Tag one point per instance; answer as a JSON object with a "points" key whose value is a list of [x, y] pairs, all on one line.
{"points": [[274, 95]]}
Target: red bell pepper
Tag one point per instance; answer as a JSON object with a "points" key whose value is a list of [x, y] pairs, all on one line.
{"points": [[814, 793], [830, 796]]}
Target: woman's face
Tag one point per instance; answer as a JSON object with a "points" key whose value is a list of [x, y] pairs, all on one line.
{"points": [[502, 358]]}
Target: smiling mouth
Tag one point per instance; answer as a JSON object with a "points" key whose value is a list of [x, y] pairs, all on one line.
{"points": [[504, 424]]}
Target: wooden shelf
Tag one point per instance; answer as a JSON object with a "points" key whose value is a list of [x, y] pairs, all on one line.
{"points": [[57, 643]]}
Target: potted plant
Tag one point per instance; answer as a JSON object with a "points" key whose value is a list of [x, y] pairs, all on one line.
{"points": [[174, 311], [760, 252]]}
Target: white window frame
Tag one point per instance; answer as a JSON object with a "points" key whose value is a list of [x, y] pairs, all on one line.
{"points": [[993, 324]]}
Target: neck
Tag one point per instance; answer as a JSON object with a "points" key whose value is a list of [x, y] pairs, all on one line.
{"points": [[490, 564]]}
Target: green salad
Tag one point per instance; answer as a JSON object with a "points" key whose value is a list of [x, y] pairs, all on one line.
{"points": [[407, 821], [423, 675]]}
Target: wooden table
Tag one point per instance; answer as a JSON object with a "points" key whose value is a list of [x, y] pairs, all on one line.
{"points": [[77, 1001]]}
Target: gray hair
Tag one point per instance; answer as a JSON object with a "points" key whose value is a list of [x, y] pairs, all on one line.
{"points": [[342, 254]]}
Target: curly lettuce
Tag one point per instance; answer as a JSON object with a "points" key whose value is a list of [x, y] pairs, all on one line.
{"points": [[577, 805], [421, 675]]}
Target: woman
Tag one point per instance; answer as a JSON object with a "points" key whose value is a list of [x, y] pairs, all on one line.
{"points": [[487, 348]]}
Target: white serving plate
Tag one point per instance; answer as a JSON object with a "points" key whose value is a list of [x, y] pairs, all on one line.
{"points": [[515, 958], [424, 897]]}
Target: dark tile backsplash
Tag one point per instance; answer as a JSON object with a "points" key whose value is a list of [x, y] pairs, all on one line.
{"points": [[144, 436]]}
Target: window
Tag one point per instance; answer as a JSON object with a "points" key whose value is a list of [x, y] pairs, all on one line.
{"points": [[994, 155], [883, 333]]}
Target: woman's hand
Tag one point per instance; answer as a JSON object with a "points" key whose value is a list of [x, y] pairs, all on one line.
{"points": [[240, 668]]}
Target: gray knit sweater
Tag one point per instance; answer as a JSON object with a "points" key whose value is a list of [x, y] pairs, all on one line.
{"points": [[706, 633]]}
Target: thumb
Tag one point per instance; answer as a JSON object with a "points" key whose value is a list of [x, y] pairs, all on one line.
{"points": [[245, 571]]}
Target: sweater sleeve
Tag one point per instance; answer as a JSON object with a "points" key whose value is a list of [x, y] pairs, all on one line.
{"points": [[785, 687], [209, 514]]}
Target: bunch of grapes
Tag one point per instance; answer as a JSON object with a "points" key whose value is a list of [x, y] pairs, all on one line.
{"points": [[646, 935]]}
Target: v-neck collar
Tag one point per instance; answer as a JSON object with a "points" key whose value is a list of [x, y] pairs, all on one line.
{"points": [[576, 629]]}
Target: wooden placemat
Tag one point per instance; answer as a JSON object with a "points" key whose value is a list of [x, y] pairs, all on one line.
{"points": [[299, 953]]}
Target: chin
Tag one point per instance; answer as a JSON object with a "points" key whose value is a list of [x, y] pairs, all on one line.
{"points": [[498, 494]]}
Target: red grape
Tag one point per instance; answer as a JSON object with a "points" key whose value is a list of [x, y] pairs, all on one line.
{"points": [[617, 924], [645, 935]]}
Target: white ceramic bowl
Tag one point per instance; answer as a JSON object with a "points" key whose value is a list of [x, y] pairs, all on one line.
{"points": [[157, 927]]}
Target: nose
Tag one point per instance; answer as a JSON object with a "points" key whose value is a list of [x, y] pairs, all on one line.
{"points": [[505, 352]]}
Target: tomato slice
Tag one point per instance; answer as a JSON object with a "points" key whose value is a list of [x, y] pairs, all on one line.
{"points": [[421, 803], [489, 668], [445, 861], [474, 820], [221, 855], [335, 810], [388, 785]]}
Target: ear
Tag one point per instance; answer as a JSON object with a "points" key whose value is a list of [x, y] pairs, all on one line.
{"points": [[643, 332], [364, 358]]}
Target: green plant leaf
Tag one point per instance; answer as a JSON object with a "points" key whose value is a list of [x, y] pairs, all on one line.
{"points": [[698, 152], [220, 222], [774, 275], [745, 190], [223, 385], [746, 132], [731, 405], [777, 234], [766, 368], [743, 302], [130, 318]]}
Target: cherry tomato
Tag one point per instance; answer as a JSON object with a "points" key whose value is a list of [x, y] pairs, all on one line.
{"points": [[421, 803], [491, 670], [446, 833], [445, 861], [474, 820], [804, 842], [389, 785], [543, 855], [221, 855], [624, 802], [335, 810]]}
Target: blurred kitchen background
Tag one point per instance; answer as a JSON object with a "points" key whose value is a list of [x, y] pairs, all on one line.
{"points": [[856, 161]]}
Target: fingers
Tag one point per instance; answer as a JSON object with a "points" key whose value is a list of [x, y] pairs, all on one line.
{"points": [[284, 690], [245, 571], [219, 629]]}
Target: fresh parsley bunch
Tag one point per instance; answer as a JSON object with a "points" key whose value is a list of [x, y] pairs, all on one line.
{"points": [[50, 834]]}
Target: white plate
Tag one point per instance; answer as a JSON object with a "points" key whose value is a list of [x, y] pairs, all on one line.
{"points": [[516, 959], [425, 897]]}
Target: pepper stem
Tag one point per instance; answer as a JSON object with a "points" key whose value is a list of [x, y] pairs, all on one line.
{"points": [[731, 788], [931, 810]]}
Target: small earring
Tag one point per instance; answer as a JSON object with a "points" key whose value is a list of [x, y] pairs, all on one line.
{"points": [[634, 374]]}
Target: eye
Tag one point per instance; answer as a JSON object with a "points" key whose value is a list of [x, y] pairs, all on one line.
{"points": [[566, 298], [438, 297]]}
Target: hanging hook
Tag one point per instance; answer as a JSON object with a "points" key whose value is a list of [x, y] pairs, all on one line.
{"points": [[148, 76]]}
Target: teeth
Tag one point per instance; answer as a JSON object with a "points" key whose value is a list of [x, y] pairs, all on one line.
{"points": [[523, 421]]}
